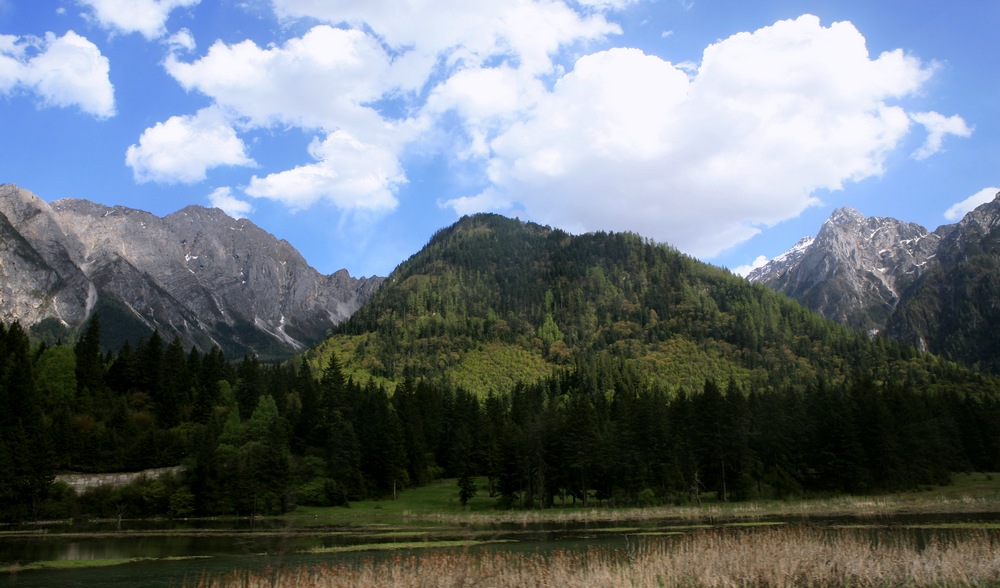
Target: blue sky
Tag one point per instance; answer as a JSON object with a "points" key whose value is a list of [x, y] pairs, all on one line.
{"points": [[355, 129]]}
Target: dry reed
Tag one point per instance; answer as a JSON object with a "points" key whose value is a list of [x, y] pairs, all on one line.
{"points": [[856, 506], [799, 556]]}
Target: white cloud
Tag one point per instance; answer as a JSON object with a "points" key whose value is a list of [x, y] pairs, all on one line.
{"points": [[182, 40], [702, 160], [606, 4], [338, 81], [468, 32], [223, 198], [325, 81], [146, 17], [184, 148], [488, 99], [62, 71], [960, 209], [347, 173], [744, 270], [484, 93], [489, 200], [938, 126], [322, 80]]}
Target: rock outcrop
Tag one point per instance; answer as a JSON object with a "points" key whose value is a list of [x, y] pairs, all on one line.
{"points": [[939, 291], [856, 268], [197, 273]]}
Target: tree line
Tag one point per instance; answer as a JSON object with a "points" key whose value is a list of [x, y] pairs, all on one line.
{"points": [[261, 439]]}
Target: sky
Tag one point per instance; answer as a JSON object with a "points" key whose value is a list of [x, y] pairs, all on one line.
{"points": [[356, 129]]}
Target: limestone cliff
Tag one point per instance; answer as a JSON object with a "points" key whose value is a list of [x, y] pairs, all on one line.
{"points": [[197, 273]]}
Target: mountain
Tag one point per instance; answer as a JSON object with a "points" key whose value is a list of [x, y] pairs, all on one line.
{"points": [[954, 308], [936, 290], [855, 270], [491, 301], [197, 273]]}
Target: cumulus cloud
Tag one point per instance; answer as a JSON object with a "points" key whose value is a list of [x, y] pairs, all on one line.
{"points": [[146, 17], [360, 77], [960, 209], [488, 99], [703, 159], [322, 80], [223, 198], [467, 33], [325, 81], [938, 126], [623, 140], [181, 41], [184, 148], [347, 173], [744, 270], [62, 71]]}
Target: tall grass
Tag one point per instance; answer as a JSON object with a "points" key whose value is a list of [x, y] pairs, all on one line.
{"points": [[799, 556], [858, 506]]}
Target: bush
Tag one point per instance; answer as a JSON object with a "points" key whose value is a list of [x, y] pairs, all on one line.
{"points": [[647, 498]]}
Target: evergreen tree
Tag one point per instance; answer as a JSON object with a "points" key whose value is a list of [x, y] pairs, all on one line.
{"points": [[89, 362], [249, 384], [466, 487], [174, 388], [25, 454], [582, 441]]}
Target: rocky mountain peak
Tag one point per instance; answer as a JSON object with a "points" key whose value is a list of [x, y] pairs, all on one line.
{"points": [[782, 263], [197, 273], [978, 222], [856, 268], [845, 216], [936, 290]]}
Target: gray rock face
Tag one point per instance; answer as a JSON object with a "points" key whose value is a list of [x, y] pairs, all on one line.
{"points": [[40, 276], [954, 309], [856, 269], [197, 273]]}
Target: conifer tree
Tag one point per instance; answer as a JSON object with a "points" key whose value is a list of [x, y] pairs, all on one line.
{"points": [[89, 362]]}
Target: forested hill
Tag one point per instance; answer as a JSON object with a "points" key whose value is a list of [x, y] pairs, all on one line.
{"points": [[492, 301], [598, 366]]}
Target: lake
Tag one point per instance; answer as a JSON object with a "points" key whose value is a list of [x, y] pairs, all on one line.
{"points": [[172, 552]]}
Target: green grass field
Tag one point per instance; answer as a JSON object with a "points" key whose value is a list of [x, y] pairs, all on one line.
{"points": [[438, 502]]}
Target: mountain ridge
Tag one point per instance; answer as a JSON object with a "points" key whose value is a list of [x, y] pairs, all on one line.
{"points": [[931, 289], [197, 273], [855, 269]]}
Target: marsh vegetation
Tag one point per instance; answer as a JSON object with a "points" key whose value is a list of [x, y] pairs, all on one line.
{"points": [[938, 536], [766, 556]]}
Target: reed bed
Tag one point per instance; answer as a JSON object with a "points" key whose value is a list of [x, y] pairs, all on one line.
{"points": [[857, 506], [799, 556]]}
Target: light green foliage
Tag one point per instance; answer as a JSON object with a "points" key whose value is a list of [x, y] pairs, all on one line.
{"points": [[56, 377], [496, 368], [233, 430], [265, 425]]}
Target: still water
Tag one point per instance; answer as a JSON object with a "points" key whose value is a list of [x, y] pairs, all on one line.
{"points": [[171, 554]]}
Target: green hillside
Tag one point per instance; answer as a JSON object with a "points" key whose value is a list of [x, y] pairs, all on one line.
{"points": [[492, 301], [562, 369]]}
